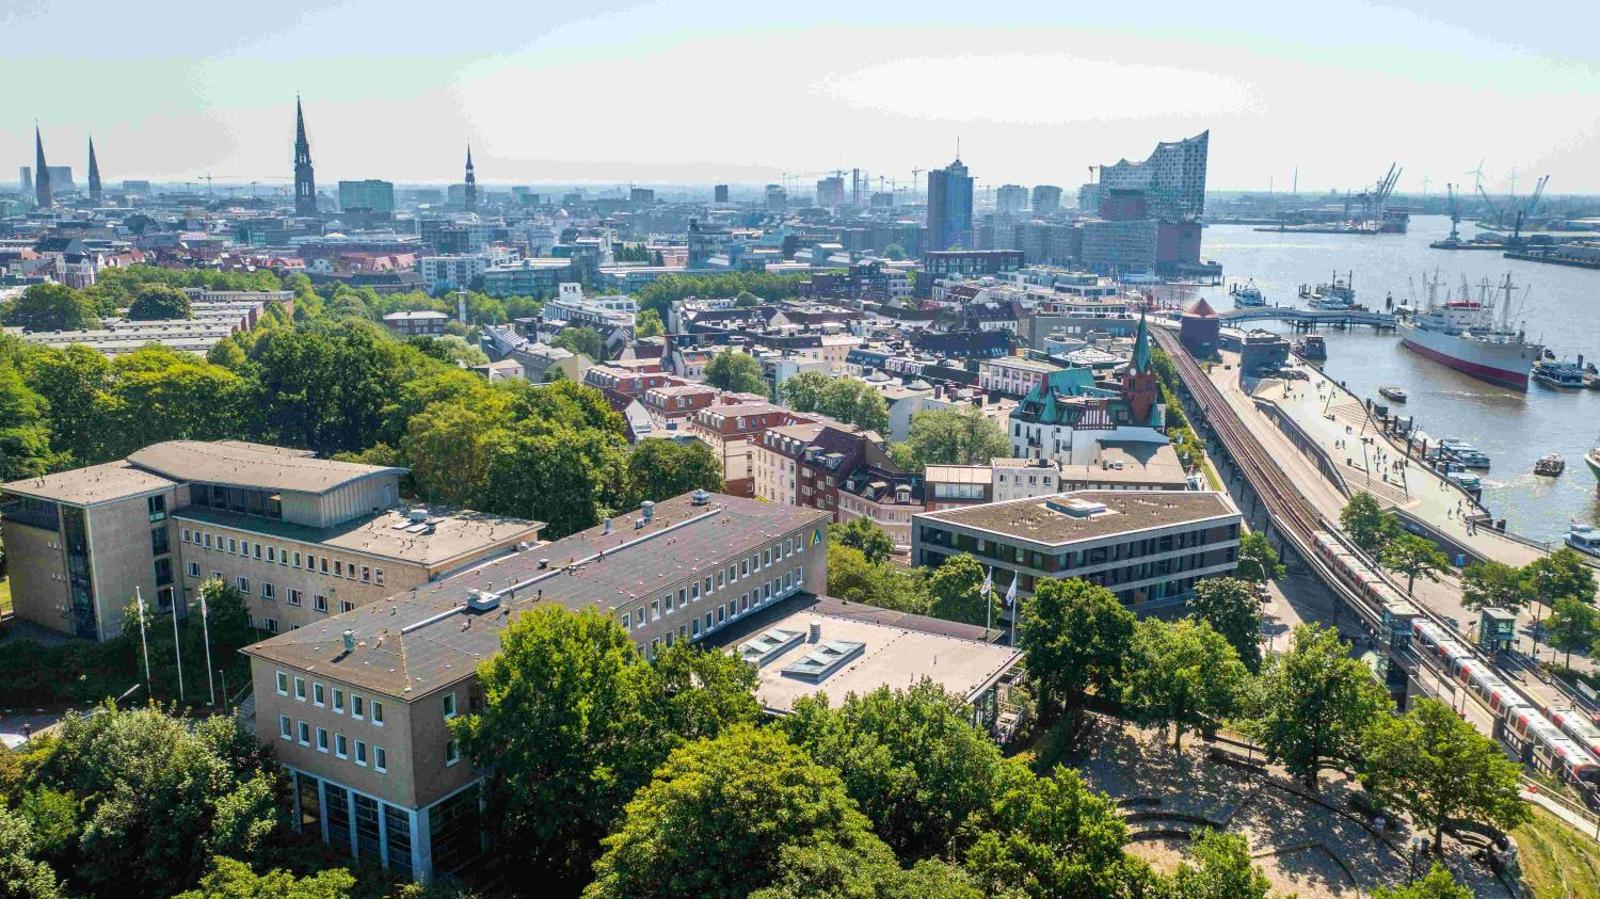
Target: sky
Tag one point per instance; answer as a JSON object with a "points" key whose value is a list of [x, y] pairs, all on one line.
{"points": [[699, 91]]}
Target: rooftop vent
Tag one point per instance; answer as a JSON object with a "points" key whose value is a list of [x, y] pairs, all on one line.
{"points": [[349, 640], [417, 515], [482, 601], [647, 510], [700, 497]]}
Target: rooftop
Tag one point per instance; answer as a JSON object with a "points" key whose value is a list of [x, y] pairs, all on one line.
{"points": [[441, 537], [957, 474], [897, 650], [91, 485], [256, 465], [1044, 520], [417, 641]]}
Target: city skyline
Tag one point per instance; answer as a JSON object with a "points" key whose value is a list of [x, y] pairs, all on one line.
{"points": [[1460, 85]]}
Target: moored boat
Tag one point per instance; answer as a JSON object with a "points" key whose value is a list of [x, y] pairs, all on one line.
{"points": [[1584, 538], [1390, 392], [1462, 333], [1247, 294], [1550, 465], [1560, 374]]}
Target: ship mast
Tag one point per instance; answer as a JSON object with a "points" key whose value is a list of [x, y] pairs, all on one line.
{"points": [[1505, 311]]}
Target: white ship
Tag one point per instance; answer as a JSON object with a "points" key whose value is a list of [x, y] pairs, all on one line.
{"points": [[1463, 333]]}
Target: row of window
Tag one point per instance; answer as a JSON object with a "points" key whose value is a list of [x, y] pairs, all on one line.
{"points": [[269, 592], [762, 594], [743, 568], [359, 707], [279, 555], [302, 733]]}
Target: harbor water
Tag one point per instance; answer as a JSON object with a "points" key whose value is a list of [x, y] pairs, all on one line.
{"points": [[1561, 311]]}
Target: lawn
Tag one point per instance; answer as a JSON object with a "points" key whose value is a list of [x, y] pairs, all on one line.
{"points": [[5, 595], [1556, 860]]}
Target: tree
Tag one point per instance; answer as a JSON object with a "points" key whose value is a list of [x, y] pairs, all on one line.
{"points": [[855, 402], [1044, 837], [21, 875], [1435, 767], [1258, 561], [1077, 636], [574, 720], [546, 475], [960, 435], [911, 759], [894, 252], [854, 579], [1574, 625], [50, 307], [74, 382], [1367, 524], [1317, 704], [661, 469], [24, 430], [450, 446], [1561, 573], [1182, 674], [1439, 884], [829, 872], [957, 589], [746, 300], [582, 340], [707, 825], [1230, 606], [158, 302], [231, 879], [803, 391], [865, 535], [1225, 870], [648, 324], [1493, 584], [736, 372], [1411, 555]]}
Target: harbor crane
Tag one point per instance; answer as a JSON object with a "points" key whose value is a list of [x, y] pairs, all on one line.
{"points": [[1455, 213], [1499, 217]]}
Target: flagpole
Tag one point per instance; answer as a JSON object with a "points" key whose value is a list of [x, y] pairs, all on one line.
{"points": [[138, 596], [177, 649], [205, 632], [988, 602], [1014, 606]]}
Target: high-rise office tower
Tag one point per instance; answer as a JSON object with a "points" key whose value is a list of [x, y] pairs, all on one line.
{"points": [[1046, 199], [469, 197], [1011, 199], [950, 207], [96, 195], [305, 184], [41, 173], [719, 193], [26, 177]]}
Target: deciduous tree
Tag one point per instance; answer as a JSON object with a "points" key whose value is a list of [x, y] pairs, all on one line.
{"points": [[803, 391], [1438, 884], [661, 469], [158, 302], [1182, 674], [957, 590], [1230, 606], [1494, 584], [1318, 703], [1258, 561], [50, 307], [1223, 870], [1077, 636], [863, 534], [1411, 555], [735, 371], [1366, 522], [1574, 625], [961, 435]]}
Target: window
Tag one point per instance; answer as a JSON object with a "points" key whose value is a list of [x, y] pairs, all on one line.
{"points": [[744, 567], [323, 565], [243, 583], [216, 575], [283, 684], [346, 605], [272, 625], [338, 700], [295, 597], [358, 706], [696, 629], [233, 545], [285, 729], [322, 739], [208, 541], [708, 585], [311, 562], [194, 569], [158, 507], [283, 556], [338, 568], [377, 576], [377, 713], [244, 548], [380, 759], [366, 574], [341, 747], [272, 554], [256, 550], [268, 592], [655, 610], [297, 560], [319, 603], [719, 580], [305, 734], [300, 689], [187, 534], [666, 603], [318, 696], [694, 591], [452, 753], [159, 541], [449, 705], [638, 617], [361, 753]]}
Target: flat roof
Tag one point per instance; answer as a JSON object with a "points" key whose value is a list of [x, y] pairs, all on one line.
{"points": [[90, 485], [243, 464], [419, 640], [1034, 519], [957, 474], [454, 534], [899, 650], [1142, 463], [1022, 362]]}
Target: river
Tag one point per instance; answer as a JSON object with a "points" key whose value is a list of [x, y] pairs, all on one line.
{"points": [[1562, 311]]}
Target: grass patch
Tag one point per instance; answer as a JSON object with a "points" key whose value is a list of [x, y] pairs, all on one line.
{"points": [[5, 595], [1556, 860]]}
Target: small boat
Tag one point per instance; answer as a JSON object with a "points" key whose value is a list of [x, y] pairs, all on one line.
{"points": [[1310, 347], [1336, 295], [1560, 374], [1592, 459], [1247, 294], [1464, 454], [1584, 538], [1550, 466], [1393, 393]]}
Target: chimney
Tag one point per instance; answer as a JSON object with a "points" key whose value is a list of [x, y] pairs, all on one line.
{"points": [[349, 640], [648, 510], [816, 630]]}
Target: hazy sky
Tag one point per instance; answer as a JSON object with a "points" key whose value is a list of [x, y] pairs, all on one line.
{"points": [[702, 91]]}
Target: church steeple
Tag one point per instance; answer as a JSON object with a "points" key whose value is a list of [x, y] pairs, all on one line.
{"points": [[1141, 347], [305, 184], [96, 195], [41, 173], [470, 195], [1139, 388]]}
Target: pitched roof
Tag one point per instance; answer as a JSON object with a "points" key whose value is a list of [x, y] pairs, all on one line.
{"points": [[243, 464], [1201, 309]]}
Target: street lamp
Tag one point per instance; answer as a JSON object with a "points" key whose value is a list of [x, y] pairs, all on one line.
{"points": [[1417, 845]]}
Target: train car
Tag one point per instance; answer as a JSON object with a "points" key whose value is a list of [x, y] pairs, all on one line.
{"points": [[1578, 727], [1552, 750]]}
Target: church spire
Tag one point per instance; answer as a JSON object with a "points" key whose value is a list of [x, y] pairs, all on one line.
{"points": [[1141, 347], [305, 184], [470, 195], [96, 194], [41, 172]]}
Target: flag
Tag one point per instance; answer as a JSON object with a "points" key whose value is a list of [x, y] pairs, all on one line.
{"points": [[1011, 593], [988, 582]]}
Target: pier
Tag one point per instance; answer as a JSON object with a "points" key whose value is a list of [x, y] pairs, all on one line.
{"points": [[1312, 319]]}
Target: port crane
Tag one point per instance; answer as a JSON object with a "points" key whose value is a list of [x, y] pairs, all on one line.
{"points": [[1374, 200], [1455, 213]]}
